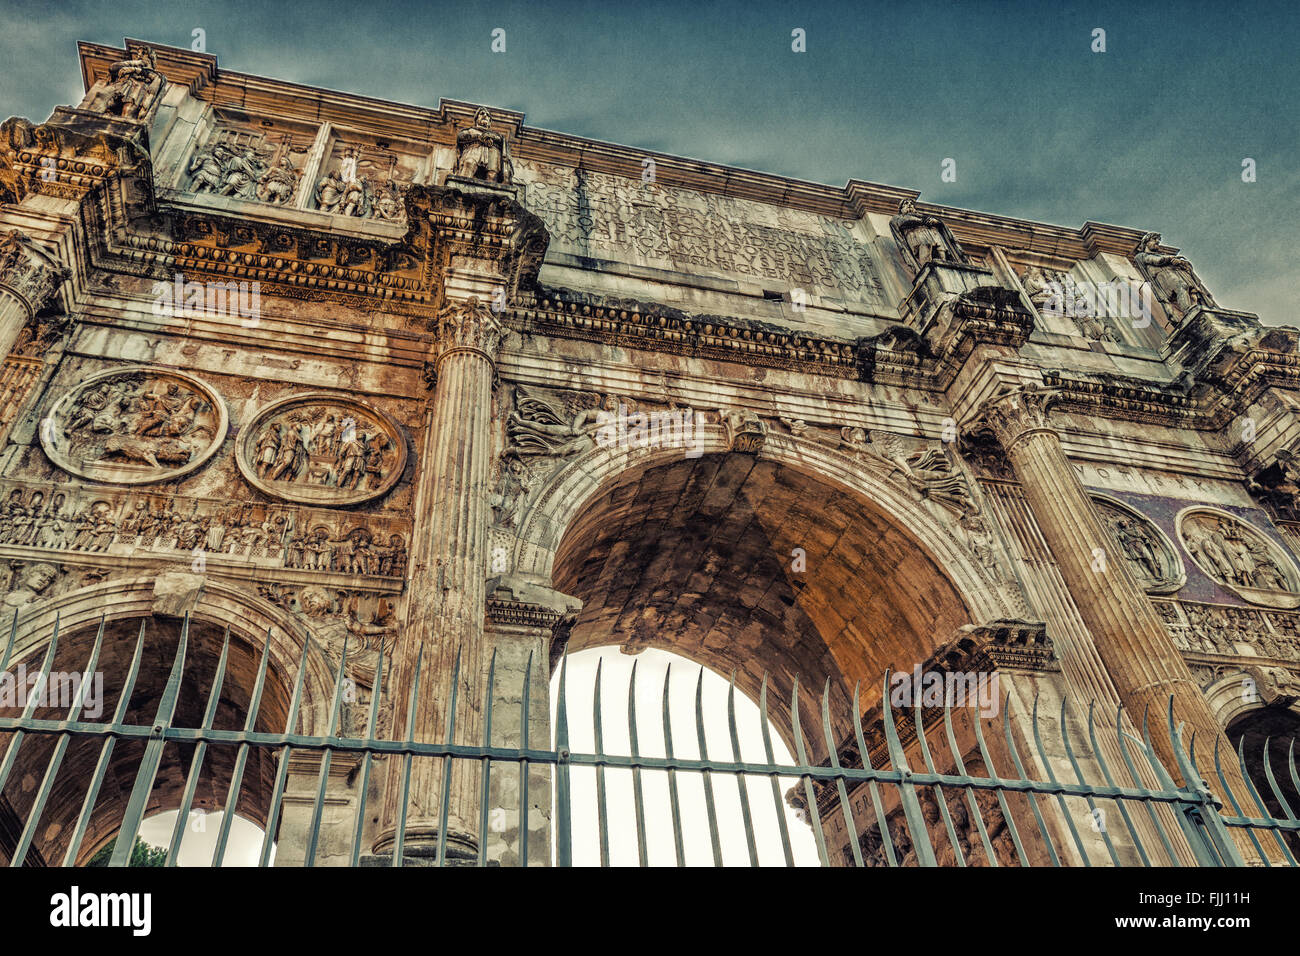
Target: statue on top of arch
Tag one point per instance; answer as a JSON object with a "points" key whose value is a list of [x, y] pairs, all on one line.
{"points": [[923, 238], [482, 153]]}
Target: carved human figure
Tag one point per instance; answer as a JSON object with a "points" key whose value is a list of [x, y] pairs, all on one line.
{"points": [[242, 171], [482, 152], [924, 237], [133, 84], [355, 200], [280, 182], [329, 192], [388, 204], [1138, 547], [1172, 275], [207, 169], [32, 584], [268, 450]]}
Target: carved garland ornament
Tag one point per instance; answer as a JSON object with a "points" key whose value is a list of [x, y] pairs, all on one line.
{"points": [[135, 425], [318, 448]]}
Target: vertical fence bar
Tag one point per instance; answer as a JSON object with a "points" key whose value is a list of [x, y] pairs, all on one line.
{"points": [[16, 741], [56, 758], [1110, 782], [241, 757], [602, 820], [448, 763], [1215, 833], [638, 797], [810, 793], [971, 801], [906, 790], [523, 764], [363, 785], [327, 756], [153, 751], [200, 751], [672, 774], [1232, 800], [485, 793], [939, 798], [1051, 776], [886, 843], [710, 808], [563, 796], [1020, 771], [1137, 782], [105, 753], [766, 726], [1002, 798], [282, 771], [742, 785], [842, 791], [1078, 773], [399, 838]]}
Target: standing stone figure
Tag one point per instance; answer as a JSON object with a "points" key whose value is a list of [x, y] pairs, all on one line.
{"points": [[482, 153], [134, 84], [923, 238], [1172, 275]]}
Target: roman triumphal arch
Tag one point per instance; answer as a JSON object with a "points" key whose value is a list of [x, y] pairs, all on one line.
{"points": [[412, 399]]}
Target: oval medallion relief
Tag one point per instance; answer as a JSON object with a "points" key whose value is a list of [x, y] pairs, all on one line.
{"points": [[1240, 557], [317, 448], [135, 425], [1150, 554]]}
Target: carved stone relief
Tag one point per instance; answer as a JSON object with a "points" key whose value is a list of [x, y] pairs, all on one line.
{"points": [[135, 425], [361, 182], [70, 518], [317, 448], [1150, 554], [244, 165], [1239, 557]]}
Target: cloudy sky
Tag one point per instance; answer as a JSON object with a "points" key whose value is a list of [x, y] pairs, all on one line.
{"points": [[1151, 133]]}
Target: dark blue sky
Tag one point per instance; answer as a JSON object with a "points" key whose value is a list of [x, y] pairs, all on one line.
{"points": [[1149, 134]]}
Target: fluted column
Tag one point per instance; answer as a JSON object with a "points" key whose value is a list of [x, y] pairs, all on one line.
{"points": [[29, 276], [447, 592], [1144, 665]]}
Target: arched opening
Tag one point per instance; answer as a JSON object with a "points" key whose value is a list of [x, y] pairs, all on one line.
{"points": [[755, 566], [1271, 732], [635, 688], [62, 808]]}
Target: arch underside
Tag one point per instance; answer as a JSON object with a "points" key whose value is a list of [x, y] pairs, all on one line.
{"points": [[702, 557]]}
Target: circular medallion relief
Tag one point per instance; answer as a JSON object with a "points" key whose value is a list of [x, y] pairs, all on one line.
{"points": [[1150, 555], [317, 448], [135, 425], [1240, 557]]}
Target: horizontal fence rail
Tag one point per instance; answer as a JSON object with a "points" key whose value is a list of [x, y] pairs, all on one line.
{"points": [[929, 802]]}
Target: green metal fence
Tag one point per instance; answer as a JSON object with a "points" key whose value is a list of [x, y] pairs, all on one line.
{"points": [[907, 812]]}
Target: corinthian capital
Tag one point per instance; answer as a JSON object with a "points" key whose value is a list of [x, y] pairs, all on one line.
{"points": [[1015, 412], [28, 272], [468, 326]]}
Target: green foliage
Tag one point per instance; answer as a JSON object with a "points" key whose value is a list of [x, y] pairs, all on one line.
{"points": [[142, 854]]}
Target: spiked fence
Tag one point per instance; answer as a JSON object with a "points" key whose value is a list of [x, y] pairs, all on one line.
{"points": [[1041, 828]]}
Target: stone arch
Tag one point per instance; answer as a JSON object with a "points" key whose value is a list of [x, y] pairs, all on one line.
{"points": [[122, 604], [945, 586]]}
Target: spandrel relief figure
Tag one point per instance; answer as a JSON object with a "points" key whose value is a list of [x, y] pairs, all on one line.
{"points": [[483, 153], [538, 427], [1172, 276], [923, 238], [30, 585]]}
